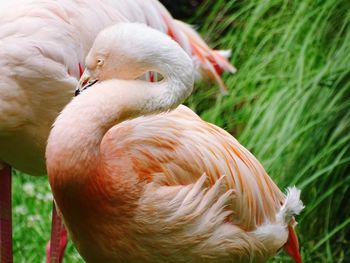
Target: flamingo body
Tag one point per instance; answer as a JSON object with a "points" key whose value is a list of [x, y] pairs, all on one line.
{"points": [[134, 205], [137, 182]]}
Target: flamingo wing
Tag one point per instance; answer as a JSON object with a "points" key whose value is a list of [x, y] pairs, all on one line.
{"points": [[177, 148]]}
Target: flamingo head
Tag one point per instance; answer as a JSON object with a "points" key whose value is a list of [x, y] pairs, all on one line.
{"points": [[126, 51]]}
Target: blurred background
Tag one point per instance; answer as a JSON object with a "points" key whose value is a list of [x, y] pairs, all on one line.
{"points": [[183, 10], [289, 104]]}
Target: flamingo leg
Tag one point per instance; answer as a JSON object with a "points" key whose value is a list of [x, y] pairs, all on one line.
{"points": [[56, 246], [5, 216]]}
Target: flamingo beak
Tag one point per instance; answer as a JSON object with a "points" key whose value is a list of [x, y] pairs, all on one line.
{"points": [[86, 81], [292, 245]]}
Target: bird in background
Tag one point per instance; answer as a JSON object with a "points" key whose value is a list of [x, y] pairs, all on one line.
{"points": [[139, 178], [43, 44]]}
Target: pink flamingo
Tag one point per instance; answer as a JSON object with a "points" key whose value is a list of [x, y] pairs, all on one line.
{"points": [[138, 178], [42, 47]]}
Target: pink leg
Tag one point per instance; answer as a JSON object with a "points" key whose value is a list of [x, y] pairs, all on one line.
{"points": [[5, 216], [56, 246]]}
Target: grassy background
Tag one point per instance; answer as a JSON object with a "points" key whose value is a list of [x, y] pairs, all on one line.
{"points": [[289, 104]]}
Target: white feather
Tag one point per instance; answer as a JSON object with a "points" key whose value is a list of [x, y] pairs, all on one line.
{"points": [[292, 206]]}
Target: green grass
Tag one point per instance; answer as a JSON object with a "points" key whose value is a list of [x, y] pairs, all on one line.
{"points": [[289, 104], [32, 203]]}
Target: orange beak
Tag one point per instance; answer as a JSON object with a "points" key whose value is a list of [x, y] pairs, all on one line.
{"points": [[292, 245]]}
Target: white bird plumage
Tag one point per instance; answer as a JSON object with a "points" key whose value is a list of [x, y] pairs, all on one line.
{"points": [[42, 43]]}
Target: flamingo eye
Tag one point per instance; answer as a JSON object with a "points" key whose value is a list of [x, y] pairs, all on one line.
{"points": [[100, 62]]}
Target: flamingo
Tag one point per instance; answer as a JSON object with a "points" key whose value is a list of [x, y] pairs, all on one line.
{"points": [[139, 178], [42, 48]]}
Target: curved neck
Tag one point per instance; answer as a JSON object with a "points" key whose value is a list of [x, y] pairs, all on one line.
{"points": [[74, 142]]}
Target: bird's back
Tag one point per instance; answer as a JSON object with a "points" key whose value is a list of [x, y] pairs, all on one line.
{"points": [[176, 148], [158, 195], [42, 44]]}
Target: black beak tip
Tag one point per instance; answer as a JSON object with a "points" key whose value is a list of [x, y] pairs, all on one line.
{"points": [[77, 92]]}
